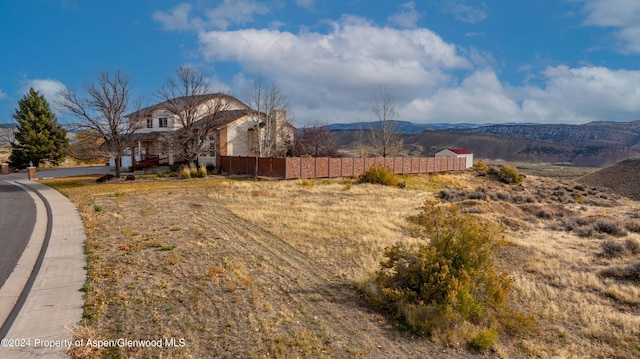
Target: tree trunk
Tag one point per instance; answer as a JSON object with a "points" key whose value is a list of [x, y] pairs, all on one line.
{"points": [[118, 163]]}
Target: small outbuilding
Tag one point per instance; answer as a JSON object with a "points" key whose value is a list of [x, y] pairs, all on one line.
{"points": [[457, 153]]}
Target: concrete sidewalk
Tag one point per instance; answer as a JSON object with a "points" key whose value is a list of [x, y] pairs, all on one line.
{"points": [[54, 304]]}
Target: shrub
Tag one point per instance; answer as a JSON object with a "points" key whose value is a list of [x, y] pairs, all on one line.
{"points": [[210, 168], [184, 172], [609, 226], [633, 246], [480, 167], [379, 174], [449, 281], [485, 340], [543, 214], [633, 226], [613, 249], [630, 272], [509, 174]]}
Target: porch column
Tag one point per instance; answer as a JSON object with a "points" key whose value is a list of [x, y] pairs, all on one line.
{"points": [[133, 156]]}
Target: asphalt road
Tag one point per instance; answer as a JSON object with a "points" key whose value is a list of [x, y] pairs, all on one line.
{"points": [[17, 219]]}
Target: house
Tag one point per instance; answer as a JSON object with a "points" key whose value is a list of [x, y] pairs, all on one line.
{"points": [[457, 153], [231, 133]]}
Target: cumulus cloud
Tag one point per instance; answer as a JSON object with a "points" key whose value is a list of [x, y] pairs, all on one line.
{"points": [[408, 17], [227, 13], [623, 15], [341, 67], [49, 88], [584, 94], [235, 12], [465, 13], [331, 74], [479, 98], [177, 19]]}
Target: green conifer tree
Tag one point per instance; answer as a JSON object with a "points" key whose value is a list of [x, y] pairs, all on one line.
{"points": [[39, 136]]}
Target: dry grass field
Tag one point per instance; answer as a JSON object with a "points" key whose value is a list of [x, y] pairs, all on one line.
{"points": [[243, 268]]}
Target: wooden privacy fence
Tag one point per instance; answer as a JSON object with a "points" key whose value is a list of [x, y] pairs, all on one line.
{"points": [[325, 167]]}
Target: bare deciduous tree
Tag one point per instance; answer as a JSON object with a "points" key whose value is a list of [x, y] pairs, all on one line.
{"points": [[360, 140], [269, 110], [188, 99], [102, 112], [315, 140], [384, 139]]}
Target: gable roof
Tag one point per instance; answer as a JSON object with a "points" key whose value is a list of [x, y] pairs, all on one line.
{"points": [[459, 151], [184, 102], [224, 118]]}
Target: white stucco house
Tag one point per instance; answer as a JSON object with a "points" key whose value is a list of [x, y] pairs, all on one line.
{"points": [[457, 153], [234, 133]]}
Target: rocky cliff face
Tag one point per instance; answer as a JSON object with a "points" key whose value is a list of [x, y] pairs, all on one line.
{"points": [[592, 134]]}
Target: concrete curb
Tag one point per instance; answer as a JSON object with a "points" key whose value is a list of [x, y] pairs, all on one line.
{"points": [[44, 325]]}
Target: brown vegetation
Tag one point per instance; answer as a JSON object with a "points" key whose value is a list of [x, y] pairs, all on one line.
{"points": [[269, 268]]}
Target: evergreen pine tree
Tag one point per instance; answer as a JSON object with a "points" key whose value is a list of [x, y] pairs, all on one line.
{"points": [[38, 136]]}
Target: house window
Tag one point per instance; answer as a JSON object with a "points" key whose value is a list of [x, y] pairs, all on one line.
{"points": [[163, 122], [149, 123]]}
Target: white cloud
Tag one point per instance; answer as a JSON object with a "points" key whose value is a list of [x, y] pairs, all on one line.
{"points": [[584, 94], [623, 15], [233, 12], [49, 88], [342, 67], [465, 13], [3, 95], [407, 17], [479, 98], [228, 13], [307, 4], [177, 19], [332, 75]]}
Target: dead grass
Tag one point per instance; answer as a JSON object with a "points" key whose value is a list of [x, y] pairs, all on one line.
{"points": [[268, 268]]}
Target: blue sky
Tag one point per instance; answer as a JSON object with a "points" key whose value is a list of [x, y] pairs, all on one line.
{"points": [[544, 61]]}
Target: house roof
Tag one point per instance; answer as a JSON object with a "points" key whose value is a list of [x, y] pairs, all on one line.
{"points": [[184, 102], [459, 151], [224, 118], [147, 136]]}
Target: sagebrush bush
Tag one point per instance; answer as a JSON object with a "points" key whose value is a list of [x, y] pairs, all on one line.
{"points": [[633, 226], [449, 280], [609, 226], [633, 246], [485, 340], [509, 174], [379, 174], [613, 249], [630, 272], [480, 167]]}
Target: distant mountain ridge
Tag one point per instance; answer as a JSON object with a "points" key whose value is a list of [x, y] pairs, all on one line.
{"points": [[405, 126], [593, 144]]}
